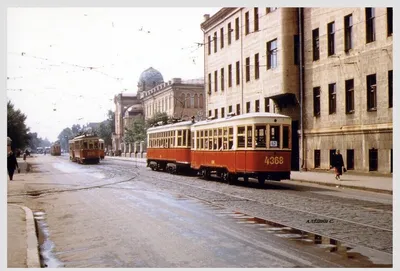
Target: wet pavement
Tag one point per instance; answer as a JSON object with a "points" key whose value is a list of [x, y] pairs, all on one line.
{"points": [[119, 215]]}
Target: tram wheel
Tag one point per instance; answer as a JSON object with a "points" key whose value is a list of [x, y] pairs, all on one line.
{"points": [[246, 179], [261, 180], [232, 179]]}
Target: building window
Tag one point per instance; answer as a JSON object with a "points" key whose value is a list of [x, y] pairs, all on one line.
{"points": [[391, 160], [370, 24], [349, 84], [332, 98], [247, 23], [215, 42], [272, 59], [188, 104], [237, 109], [350, 159], [209, 83], [196, 101], [256, 19], [222, 79], [266, 105], [229, 33], [222, 112], [317, 101], [237, 28], [348, 32], [389, 21], [183, 101], [315, 40], [230, 75], [257, 106], [209, 113], [296, 42], [247, 69], [373, 159], [271, 10], [237, 73], [209, 45], [201, 101], [331, 38], [215, 81], [230, 109], [256, 66], [317, 158], [371, 92], [248, 107], [222, 38], [216, 113], [390, 88]]}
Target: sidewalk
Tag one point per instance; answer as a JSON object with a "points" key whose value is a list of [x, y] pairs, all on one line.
{"points": [[372, 183]]}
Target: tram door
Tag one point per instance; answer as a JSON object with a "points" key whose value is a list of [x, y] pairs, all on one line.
{"points": [[295, 146]]}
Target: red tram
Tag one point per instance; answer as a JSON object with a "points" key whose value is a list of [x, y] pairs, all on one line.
{"points": [[256, 145], [84, 149]]}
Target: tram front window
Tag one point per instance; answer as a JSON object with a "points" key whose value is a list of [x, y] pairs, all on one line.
{"points": [[85, 145], [274, 136], [260, 137]]}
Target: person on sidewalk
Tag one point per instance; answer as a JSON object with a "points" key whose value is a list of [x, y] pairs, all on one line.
{"points": [[12, 164], [338, 164]]}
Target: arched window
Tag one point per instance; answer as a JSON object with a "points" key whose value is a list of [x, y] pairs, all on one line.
{"points": [[182, 100], [196, 101], [188, 104], [201, 102]]}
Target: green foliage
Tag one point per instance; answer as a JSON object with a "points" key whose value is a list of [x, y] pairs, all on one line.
{"points": [[135, 130], [106, 128], [158, 117], [16, 127], [64, 136]]}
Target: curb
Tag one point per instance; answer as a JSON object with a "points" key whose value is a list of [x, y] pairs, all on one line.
{"points": [[364, 188], [32, 253]]}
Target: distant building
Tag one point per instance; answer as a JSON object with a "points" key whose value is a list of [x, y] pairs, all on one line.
{"points": [[178, 98]]}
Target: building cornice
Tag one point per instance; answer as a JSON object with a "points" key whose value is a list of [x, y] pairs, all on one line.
{"points": [[217, 17], [356, 129]]}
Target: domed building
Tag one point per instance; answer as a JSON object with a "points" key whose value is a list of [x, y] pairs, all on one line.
{"points": [[149, 79]]}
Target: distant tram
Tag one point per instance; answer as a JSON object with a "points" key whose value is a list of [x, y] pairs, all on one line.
{"points": [[256, 145], [55, 149], [84, 149]]}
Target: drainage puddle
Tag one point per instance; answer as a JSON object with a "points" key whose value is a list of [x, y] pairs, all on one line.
{"points": [[366, 256], [47, 258]]}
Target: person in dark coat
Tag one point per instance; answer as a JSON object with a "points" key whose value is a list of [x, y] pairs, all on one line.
{"points": [[12, 164], [338, 165]]}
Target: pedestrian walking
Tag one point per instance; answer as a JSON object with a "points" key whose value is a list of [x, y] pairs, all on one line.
{"points": [[12, 164], [338, 164]]}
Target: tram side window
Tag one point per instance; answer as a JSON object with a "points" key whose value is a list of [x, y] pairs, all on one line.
{"points": [[184, 137], [210, 140], [96, 146], [91, 145], [241, 137], [285, 143], [274, 136], [85, 145], [230, 138], [179, 138], [189, 138], [249, 136], [260, 137]]}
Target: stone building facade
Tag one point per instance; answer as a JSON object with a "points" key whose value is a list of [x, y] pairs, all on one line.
{"points": [[348, 57], [178, 98], [251, 64]]}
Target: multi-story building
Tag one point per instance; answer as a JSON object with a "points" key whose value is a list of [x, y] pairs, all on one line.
{"points": [[251, 64], [330, 69], [178, 98], [348, 59]]}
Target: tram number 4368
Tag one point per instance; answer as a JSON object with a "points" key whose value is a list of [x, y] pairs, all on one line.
{"points": [[274, 160]]}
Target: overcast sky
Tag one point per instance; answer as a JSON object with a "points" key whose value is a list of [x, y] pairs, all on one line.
{"points": [[64, 65]]}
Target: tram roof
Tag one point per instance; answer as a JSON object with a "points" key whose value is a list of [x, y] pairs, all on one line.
{"points": [[86, 137], [246, 116], [170, 127]]}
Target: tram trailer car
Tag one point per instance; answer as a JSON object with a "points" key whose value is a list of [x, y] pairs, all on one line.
{"points": [[254, 145], [168, 147], [84, 149]]}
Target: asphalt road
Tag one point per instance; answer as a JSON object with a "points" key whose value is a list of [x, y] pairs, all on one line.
{"points": [[121, 214]]}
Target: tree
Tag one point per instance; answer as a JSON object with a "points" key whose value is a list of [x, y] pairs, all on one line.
{"points": [[76, 129], [16, 127], [106, 128], [159, 116], [135, 130], [64, 137]]}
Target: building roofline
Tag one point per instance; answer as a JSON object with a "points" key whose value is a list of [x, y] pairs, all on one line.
{"points": [[219, 16]]}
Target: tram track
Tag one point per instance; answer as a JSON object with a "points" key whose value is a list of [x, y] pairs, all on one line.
{"points": [[346, 230]]}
